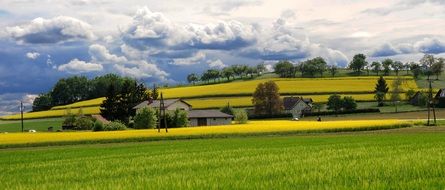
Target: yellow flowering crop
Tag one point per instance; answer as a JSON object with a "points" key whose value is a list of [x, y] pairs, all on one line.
{"points": [[294, 86], [264, 126], [86, 103]]}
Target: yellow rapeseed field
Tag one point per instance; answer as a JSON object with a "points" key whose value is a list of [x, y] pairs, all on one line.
{"points": [[294, 86], [86, 103], [55, 113], [264, 126]]}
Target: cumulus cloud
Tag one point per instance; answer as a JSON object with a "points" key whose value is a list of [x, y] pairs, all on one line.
{"points": [[101, 54], [76, 66], [32, 55], [142, 69], [216, 64], [55, 30], [152, 29], [426, 45]]}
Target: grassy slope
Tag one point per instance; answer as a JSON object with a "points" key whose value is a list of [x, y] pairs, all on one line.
{"points": [[36, 124], [412, 158]]}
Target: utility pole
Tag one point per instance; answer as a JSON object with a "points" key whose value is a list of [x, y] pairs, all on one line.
{"points": [[431, 103], [21, 113], [162, 116]]}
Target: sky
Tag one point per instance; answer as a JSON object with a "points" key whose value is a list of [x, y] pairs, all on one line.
{"points": [[161, 42]]}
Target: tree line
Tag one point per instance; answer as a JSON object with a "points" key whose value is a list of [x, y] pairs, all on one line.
{"points": [[78, 88], [229, 73], [427, 66]]}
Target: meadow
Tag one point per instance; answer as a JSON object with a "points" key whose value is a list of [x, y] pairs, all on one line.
{"points": [[35, 124], [411, 158], [251, 128]]}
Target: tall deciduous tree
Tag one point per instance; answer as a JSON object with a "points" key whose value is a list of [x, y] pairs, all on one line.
{"points": [[228, 72], [427, 62], [266, 99], [285, 69], [437, 67], [333, 70], [397, 66], [358, 63], [376, 67], [42, 102], [396, 90], [192, 78], [381, 88], [335, 103], [387, 64]]}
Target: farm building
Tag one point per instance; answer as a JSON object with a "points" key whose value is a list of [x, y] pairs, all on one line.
{"points": [[440, 98], [298, 106], [196, 117]]}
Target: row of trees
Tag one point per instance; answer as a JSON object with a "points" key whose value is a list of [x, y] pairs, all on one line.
{"points": [[428, 65], [78, 88], [229, 73]]}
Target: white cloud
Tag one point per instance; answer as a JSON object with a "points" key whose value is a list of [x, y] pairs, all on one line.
{"points": [[101, 54], [58, 29], [32, 55], [425, 45], [216, 64], [142, 69], [10, 102], [76, 66]]}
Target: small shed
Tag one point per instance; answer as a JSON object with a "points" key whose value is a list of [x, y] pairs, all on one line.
{"points": [[208, 118], [298, 106], [440, 98]]}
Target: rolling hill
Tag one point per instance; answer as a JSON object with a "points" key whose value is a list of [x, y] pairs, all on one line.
{"points": [[238, 94]]}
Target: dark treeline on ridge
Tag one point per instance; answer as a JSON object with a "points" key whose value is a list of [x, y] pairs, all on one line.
{"points": [[78, 88]]}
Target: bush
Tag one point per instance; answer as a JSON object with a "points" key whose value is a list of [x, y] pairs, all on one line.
{"points": [[83, 123], [69, 121], [227, 109], [145, 119], [178, 118], [98, 126], [240, 116], [349, 103], [114, 126]]}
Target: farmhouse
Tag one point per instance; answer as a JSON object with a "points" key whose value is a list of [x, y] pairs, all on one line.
{"points": [[440, 98], [298, 106], [196, 117]]}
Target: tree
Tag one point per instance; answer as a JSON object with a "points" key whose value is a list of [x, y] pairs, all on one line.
{"points": [[177, 118], [109, 107], [397, 66], [240, 116], [317, 106], [227, 109], [396, 91], [335, 103], [320, 65], [349, 103], [437, 67], [415, 69], [260, 68], [333, 70], [192, 78], [238, 70], [309, 68], [145, 119], [381, 88], [42, 102], [376, 67], [358, 63], [228, 72], [154, 92], [387, 63], [266, 99], [427, 62], [284, 69]]}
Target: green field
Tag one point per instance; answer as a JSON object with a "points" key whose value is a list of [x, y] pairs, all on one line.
{"points": [[35, 124], [411, 158]]}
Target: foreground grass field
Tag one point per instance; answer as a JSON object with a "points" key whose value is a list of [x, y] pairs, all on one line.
{"points": [[410, 158], [252, 128]]}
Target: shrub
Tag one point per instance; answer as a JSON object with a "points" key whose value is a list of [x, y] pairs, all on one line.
{"points": [[145, 119], [349, 103], [83, 123], [227, 109], [178, 118], [98, 126], [69, 121], [114, 126], [240, 116]]}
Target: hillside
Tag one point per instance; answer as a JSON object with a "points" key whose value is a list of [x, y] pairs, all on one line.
{"points": [[238, 94]]}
